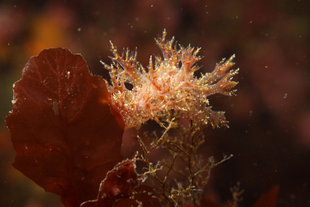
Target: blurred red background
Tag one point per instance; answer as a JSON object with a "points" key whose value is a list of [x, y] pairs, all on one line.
{"points": [[269, 130]]}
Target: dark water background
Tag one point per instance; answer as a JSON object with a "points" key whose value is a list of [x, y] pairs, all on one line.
{"points": [[269, 130]]}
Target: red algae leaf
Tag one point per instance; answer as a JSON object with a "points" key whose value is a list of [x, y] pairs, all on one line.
{"points": [[64, 133], [121, 188], [268, 199]]}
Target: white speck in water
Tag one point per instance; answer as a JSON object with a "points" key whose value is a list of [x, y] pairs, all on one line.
{"points": [[68, 75], [79, 29], [26, 147], [285, 96], [251, 21], [266, 66], [152, 5]]}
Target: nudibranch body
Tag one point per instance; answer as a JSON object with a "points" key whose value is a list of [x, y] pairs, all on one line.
{"points": [[168, 84]]}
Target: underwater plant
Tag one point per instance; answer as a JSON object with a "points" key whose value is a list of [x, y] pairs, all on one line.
{"points": [[66, 126]]}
